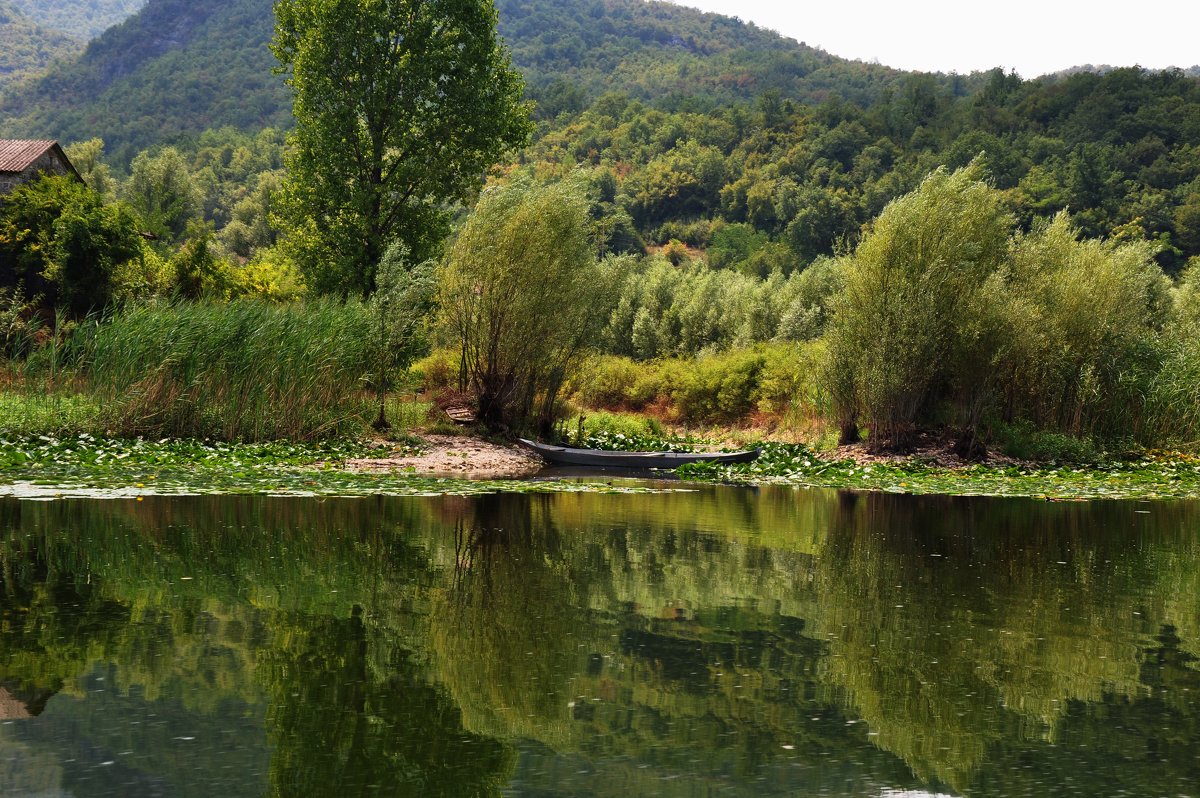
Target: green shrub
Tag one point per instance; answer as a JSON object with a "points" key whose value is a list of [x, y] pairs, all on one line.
{"points": [[608, 381], [1173, 398], [790, 381], [1025, 442], [247, 370], [1085, 350], [524, 296], [719, 387], [438, 370]]}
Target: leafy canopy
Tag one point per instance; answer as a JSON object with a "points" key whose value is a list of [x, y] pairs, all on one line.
{"points": [[400, 106]]}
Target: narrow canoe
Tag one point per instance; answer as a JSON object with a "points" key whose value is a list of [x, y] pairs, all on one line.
{"points": [[595, 457]]}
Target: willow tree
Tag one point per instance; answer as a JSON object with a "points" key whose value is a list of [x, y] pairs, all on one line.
{"points": [[923, 310], [400, 106], [524, 295]]}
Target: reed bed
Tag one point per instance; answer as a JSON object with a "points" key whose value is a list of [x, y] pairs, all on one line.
{"points": [[247, 370]]}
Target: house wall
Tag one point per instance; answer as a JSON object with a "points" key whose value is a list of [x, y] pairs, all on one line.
{"points": [[48, 163]]}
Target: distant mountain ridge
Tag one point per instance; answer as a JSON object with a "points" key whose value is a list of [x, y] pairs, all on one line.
{"points": [[175, 68], [1103, 69], [79, 20], [178, 67]]}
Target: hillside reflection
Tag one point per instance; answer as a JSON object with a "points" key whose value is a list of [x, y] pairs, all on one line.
{"points": [[725, 642]]}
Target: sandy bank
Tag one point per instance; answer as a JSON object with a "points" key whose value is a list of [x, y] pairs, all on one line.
{"points": [[454, 456]]}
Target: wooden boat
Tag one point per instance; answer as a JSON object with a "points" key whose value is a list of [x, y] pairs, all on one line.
{"points": [[564, 455]]}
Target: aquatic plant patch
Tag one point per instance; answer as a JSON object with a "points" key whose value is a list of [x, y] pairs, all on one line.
{"points": [[85, 466], [1155, 475]]}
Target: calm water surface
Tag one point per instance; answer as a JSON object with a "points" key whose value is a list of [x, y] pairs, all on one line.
{"points": [[722, 642]]}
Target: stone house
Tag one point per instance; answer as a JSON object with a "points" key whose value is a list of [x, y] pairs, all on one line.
{"points": [[23, 160]]}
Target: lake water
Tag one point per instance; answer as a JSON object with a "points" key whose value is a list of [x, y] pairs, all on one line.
{"points": [[719, 642]]}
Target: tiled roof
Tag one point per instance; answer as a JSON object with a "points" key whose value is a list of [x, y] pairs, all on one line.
{"points": [[17, 154]]}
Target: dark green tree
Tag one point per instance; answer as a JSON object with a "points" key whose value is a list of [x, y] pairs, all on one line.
{"points": [[400, 107], [60, 240]]}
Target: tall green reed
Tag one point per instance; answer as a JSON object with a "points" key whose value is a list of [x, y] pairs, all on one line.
{"points": [[245, 370]]}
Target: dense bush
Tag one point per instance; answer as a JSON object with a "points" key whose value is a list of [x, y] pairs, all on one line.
{"points": [[771, 379], [947, 317], [668, 311], [1173, 398], [1084, 343]]}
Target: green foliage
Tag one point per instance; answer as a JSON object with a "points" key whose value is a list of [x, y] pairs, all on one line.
{"points": [[27, 48], [523, 295], [386, 138], [663, 310], [732, 244], [30, 413], [246, 370], [197, 271], [775, 380], [916, 313], [1084, 349], [1026, 442], [719, 388], [59, 238], [88, 159], [1173, 398], [698, 118], [136, 87], [401, 307], [272, 275], [19, 322], [160, 188]]}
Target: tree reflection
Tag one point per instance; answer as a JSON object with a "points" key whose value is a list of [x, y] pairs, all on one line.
{"points": [[805, 641]]}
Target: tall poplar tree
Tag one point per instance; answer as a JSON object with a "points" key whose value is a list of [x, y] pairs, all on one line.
{"points": [[400, 106]]}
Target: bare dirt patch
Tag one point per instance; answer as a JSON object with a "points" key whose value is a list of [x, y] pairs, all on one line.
{"points": [[455, 456]]}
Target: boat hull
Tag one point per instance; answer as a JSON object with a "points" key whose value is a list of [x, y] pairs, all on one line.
{"points": [[565, 455]]}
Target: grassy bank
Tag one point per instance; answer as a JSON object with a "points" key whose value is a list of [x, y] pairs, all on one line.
{"points": [[1069, 468], [246, 370]]}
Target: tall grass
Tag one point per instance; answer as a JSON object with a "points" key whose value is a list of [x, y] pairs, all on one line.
{"points": [[246, 370]]}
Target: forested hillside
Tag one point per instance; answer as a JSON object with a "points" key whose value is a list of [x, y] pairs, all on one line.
{"points": [[754, 150], [181, 66], [26, 48], [174, 69], [79, 19], [571, 51], [776, 183]]}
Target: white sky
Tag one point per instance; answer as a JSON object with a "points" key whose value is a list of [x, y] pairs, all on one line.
{"points": [[1034, 37]]}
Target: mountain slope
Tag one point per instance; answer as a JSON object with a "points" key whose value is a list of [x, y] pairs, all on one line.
{"points": [[172, 70], [79, 20], [27, 48], [181, 66], [654, 50]]}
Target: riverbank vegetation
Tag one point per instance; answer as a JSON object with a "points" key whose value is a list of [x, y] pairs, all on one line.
{"points": [[899, 268], [947, 316]]}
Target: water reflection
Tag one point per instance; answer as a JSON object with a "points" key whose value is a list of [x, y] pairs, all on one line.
{"points": [[722, 642]]}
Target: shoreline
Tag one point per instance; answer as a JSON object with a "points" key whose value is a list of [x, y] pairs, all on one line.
{"points": [[453, 464], [464, 457]]}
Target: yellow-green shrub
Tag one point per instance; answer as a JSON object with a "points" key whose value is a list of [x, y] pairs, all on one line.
{"points": [[438, 370]]}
